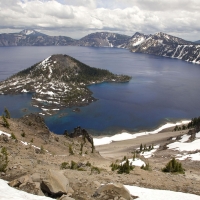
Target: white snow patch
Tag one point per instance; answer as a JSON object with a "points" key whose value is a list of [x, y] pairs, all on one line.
{"points": [[50, 72], [36, 106], [28, 32], [45, 109], [181, 146], [24, 90], [140, 41], [198, 135], [136, 162], [25, 143], [128, 136], [148, 154], [1, 132], [153, 194], [7, 192], [184, 138], [194, 157]]}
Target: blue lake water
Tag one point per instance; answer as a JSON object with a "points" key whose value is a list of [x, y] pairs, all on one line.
{"points": [[161, 89]]}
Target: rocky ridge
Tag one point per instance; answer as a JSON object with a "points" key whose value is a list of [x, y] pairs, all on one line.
{"points": [[102, 39], [160, 44], [30, 37], [58, 81]]}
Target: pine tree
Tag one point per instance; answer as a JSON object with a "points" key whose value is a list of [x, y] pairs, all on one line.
{"points": [[71, 150], [173, 166], [5, 122], [7, 113], [81, 149], [141, 147], [3, 159]]}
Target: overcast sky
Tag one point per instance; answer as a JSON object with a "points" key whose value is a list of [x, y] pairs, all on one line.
{"points": [[77, 18]]}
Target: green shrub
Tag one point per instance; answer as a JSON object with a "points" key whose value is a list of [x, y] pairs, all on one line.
{"points": [[146, 167], [114, 166], [31, 140], [88, 164], [73, 165], [174, 166], [7, 113], [95, 169], [71, 150], [64, 165], [125, 168], [23, 134], [42, 150], [13, 136], [5, 122], [81, 169], [3, 159], [81, 149]]}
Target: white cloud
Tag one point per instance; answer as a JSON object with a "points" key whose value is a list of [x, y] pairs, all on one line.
{"points": [[77, 17]]}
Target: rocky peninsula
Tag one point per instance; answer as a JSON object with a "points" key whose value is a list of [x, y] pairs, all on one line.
{"points": [[58, 82]]}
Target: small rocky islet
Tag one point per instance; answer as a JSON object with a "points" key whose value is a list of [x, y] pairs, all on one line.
{"points": [[58, 82]]}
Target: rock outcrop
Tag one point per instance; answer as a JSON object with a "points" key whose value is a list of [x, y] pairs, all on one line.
{"points": [[36, 122], [28, 184], [82, 132], [112, 191], [55, 185]]}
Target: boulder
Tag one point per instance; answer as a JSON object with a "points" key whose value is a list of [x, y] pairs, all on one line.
{"points": [[55, 185], [32, 188], [27, 184], [112, 191], [36, 177]]}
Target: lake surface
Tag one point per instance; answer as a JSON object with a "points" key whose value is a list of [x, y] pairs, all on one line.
{"points": [[161, 89]]}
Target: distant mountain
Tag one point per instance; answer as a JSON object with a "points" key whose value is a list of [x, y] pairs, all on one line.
{"points": [[198, 42], [58, 81], [103, 39], [160, 43], [29, 37], [166, 45]]}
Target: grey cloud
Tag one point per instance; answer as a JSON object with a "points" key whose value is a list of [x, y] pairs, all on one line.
{"points": [[82, 16]]}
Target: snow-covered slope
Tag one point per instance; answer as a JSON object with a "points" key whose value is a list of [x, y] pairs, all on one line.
{"points": [[31, 32], [166, 45], [135, 40]]}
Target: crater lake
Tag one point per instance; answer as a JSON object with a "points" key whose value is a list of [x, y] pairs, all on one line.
{"points": [[161, 90]]}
